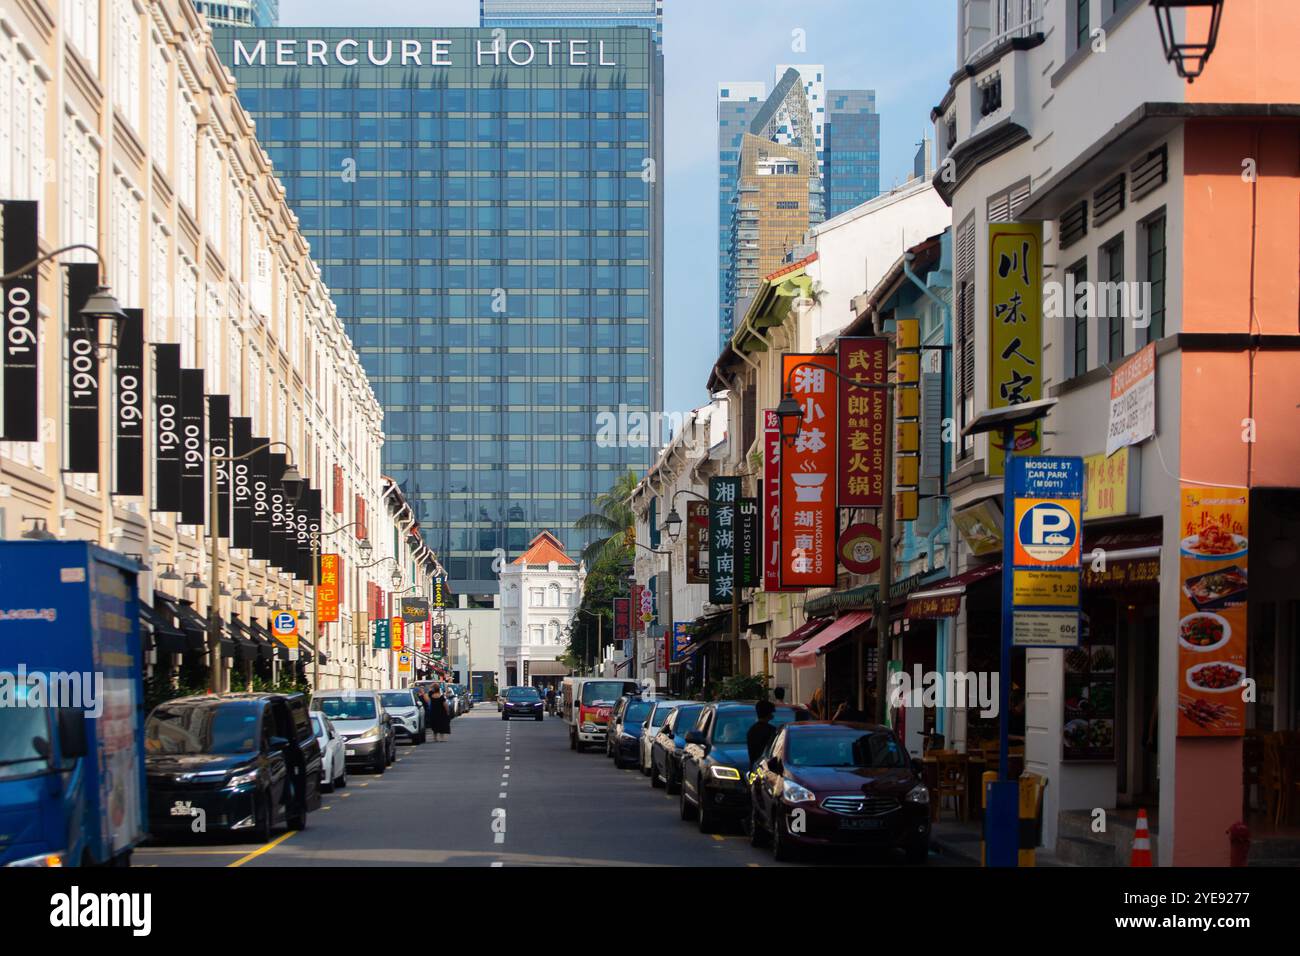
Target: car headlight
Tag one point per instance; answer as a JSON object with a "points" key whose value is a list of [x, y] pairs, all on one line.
{"points": [[792, 792], [918, 794], [372, 734], [589, 728], [725, 773], [44, 859], [246, 779]]}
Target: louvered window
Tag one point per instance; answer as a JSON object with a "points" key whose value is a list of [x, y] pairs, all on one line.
{"points": [[1149, 173], [966, 329], [1108, 201], [1074, 225]]}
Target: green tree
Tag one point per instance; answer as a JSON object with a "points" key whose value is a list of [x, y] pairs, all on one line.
{"points": [[606, 580], [612, 521]]}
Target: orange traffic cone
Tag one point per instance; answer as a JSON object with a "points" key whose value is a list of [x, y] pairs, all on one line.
{"points": [[1141, 855]]}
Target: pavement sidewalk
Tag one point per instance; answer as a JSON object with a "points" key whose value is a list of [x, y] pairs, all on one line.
{"points": [[961, 842]]}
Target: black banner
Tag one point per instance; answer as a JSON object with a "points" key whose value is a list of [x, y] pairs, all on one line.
{"points": [[750, 550], [193, 456], [724, 495], [241, 443], [261, 486], [167, 427], [81, 373], [275, 499], [314, 499], [128, 408], [18, 376], [219, 448]]}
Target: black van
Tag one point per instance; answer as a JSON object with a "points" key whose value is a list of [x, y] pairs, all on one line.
{"points": [[231, 763]]}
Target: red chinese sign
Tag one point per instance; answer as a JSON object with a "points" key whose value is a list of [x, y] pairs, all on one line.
{"points": [[327, 591], [772, 501], [395, 630], [426, 645], [863, 416], [808, 522]]}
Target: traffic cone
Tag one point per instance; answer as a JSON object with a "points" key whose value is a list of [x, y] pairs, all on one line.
{"points": [[1141, 855]]}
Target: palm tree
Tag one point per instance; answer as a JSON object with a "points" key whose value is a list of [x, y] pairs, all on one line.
{"points": [[613, 520]]}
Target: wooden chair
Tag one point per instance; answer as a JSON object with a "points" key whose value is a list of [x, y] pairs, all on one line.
{"points": [[953, 771]]}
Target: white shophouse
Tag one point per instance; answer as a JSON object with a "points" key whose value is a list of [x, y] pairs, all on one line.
{"points": [[540, 591]]}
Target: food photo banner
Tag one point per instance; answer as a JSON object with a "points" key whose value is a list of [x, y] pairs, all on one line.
{"points": [[1212, 574], [808, 525]]}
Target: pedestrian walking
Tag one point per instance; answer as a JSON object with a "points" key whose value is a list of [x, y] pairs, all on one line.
{"points": [[818, 704], [440, 724], [761, 734], [550, 700]]}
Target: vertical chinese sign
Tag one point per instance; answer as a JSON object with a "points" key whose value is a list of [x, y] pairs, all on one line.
{"points": [[327, 592], [395, 631], [697, 542], [724, 524], [1015, 328], [771, 500], [1212, 567], [808, 523], [622, 619], [863, 415]]}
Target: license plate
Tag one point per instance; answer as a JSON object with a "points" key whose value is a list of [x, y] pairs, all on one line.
{"points": [[864, 824], [351, 753], [182, 808]]}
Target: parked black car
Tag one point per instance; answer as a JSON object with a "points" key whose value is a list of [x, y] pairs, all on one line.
{"points": [[623, 740], [234, 762], [670, 742], [846, 784], [523, 702], [715, 761]]}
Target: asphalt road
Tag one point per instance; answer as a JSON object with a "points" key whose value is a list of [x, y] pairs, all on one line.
{"points": [[496, 794]]}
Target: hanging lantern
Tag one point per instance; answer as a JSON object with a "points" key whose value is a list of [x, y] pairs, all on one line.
{"points": [[1188, 54]]}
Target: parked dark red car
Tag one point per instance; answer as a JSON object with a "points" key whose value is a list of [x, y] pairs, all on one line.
{"points": [[823, 784]]}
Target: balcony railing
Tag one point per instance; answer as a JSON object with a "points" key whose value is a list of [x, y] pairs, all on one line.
{"points": [[1013, 18]]}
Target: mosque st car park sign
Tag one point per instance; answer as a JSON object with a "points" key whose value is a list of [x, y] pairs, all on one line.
{"points": [[1047, 524]]}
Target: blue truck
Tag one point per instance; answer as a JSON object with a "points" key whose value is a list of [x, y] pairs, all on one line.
{"points": [[72, 777]]}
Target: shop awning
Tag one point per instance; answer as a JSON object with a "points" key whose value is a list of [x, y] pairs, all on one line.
{"points": [[806, 656], [690, 651], [787, 645], [1132, 559], [185, 619], [247, 643], [166, 637], [943, 598], [260, 631]]}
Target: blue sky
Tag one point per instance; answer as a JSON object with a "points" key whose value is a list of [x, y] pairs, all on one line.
{"points": [[904, 51]]}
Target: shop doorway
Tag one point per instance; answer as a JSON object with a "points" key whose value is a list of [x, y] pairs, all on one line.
{"points": [[1137, 650]]}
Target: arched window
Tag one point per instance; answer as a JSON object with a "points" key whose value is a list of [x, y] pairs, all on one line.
{"points": [[554, 599], [554, 629]]}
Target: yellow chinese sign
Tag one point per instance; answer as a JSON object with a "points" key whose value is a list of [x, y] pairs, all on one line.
{"points": [[1106, 484], [327, 591], [1015, 328], [1051, 588]]}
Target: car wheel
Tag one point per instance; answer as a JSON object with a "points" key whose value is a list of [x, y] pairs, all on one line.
{"points": [[672, 783], [342, 781], [262, 820], [379, 764], [392, 754], [688, 810], [656, 781], [326, 786], [573, 739], [782, 851], [538, 717], [757, 835], [705, 815], [424, 736], [294, 818]]}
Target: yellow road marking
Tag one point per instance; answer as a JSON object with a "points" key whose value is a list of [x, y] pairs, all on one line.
{"points": [[718, 836], [263, 849]]}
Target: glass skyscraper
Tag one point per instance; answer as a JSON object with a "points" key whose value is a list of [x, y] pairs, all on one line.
{"points": [[852, 150], [488, 219], [574, 13], [738, 104], [240, 13]]}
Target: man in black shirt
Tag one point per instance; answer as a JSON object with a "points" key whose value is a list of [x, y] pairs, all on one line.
{"points": [[761, 734]]}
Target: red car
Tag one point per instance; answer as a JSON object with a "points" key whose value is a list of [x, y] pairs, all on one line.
{"points": [[824, 784]]}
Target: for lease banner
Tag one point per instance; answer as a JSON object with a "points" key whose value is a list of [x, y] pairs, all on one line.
{"points": [[1133, 401], [1212, 577], [808, 524]]}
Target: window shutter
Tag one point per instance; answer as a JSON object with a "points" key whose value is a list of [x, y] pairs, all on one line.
{"points": [[931, 424]]}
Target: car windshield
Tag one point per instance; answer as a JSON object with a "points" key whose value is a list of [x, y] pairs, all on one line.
{"points": [[346, 708], [522, 693], [226, 727], [20, 728], [732, 726], [606, 691], [398, 699], [637, 710], [843, 748]]}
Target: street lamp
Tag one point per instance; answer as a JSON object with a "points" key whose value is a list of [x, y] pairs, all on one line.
{"points": [[1188, 56], [101, 305], [39, 531]]}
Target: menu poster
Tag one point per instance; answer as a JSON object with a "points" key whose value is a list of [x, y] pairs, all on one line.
{"points": [[1212, 575], [1088, 724]]}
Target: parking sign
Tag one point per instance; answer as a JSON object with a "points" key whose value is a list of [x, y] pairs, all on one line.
{"points": [[284, 625]]}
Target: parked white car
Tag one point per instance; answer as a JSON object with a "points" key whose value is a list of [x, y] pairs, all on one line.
{"points": [[333, 758], [654, 720]]}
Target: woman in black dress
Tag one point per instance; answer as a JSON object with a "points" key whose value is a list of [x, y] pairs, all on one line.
{"points": [[441, 722]]}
